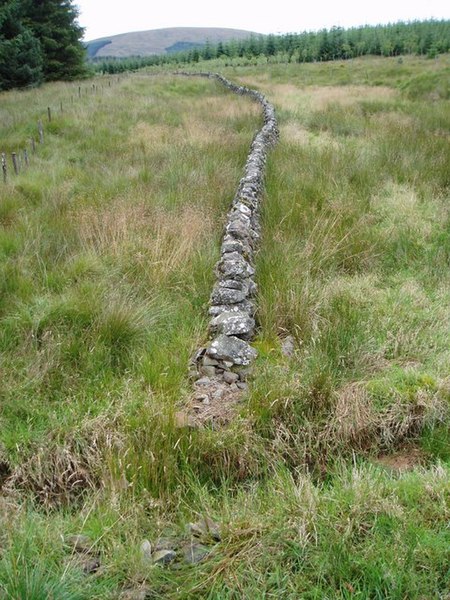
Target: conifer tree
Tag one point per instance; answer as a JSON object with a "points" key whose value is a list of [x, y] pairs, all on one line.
{"points": [[20, 52], [54, 24]]}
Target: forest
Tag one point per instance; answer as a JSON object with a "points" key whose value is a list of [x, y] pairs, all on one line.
{"points": [[422, 38]]}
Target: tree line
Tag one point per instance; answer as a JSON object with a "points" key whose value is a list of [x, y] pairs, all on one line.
{"points": [[40, 40], [428, 38]]}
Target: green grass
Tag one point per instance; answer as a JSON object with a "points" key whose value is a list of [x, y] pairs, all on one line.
{"points": [[107, 248]]}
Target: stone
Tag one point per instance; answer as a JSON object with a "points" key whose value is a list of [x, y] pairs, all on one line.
{"points": [[238, 230], [164, 557], [208, 371], [205, 527], [197, 356], [288, 346], [209, 362], [203, 398], [246, 306], [91, 565], [218, 394], [236, 268], [222, 295], [146, 550], [79, 543], [232, 349], [195, 553], [234, 387], [233, 323], [242, 385], [232, 246], [203, 381], [230, 377], [233, 284]]}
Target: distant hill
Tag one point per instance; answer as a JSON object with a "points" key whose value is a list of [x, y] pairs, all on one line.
{"points": [[161, 41]]}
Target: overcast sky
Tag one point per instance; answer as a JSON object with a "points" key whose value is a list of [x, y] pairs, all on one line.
{"points": [[105, 17]]}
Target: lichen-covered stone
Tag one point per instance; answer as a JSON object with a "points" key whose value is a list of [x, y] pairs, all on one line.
{"points": [[234, 323], [233, 349]]}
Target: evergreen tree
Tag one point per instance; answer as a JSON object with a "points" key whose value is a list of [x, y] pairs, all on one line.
{"points": [[54, 24], [20, 52]]}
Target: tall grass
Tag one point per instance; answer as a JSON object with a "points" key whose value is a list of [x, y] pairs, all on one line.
{"points": [[107, 248]]}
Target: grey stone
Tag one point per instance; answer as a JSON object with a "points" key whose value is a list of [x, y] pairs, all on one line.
{"points": [[227, 296], [204, 398], [208, 371], [195, 553], [205, 527], [203, 381], [235, 269], [218, 394], [209, 362], [246, 307], [233, 284], [146, 550], [242, 385], [164, 557], [232, 349], [288, 346], [233, 323], [230, 377]]}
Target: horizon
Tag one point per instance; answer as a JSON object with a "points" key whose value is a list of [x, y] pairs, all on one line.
{"points": [[270, 33], [101, 20]]}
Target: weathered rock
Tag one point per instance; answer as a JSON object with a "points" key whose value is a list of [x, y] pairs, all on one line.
{"points": [[234, 284], [205, 527], [207, 361], [164, 557], [246, 307], [288, 346], [208, 371], [195, 553], [222, 295], [231, 348], [203, 381], [146, 550], [233, 323], [235, 268], [230, 377]]}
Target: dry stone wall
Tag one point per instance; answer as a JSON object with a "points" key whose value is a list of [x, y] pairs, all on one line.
{"points": [[227, 356]]}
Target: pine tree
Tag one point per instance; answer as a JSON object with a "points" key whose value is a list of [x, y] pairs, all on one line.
{"points": [[54, 24], [20, 52]]}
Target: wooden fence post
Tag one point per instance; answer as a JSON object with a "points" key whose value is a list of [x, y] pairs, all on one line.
{"points": [[33, 145], [41, 132], [25, 157], [4, 166], [15, 163], [49, 113]]}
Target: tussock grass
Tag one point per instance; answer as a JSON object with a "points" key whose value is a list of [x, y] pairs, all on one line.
{"points": [[107, 247]]}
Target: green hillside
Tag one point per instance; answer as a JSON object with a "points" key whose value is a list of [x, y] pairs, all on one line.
{"points": [[161, 41]]}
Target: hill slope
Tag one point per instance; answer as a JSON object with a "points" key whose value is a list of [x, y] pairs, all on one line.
{"points": [[160, 41]]}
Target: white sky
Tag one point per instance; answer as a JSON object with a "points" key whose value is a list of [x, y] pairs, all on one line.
{"points": [[102, 18]]}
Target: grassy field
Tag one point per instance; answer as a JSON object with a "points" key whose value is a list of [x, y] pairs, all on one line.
{"points": [[334, 482]]}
